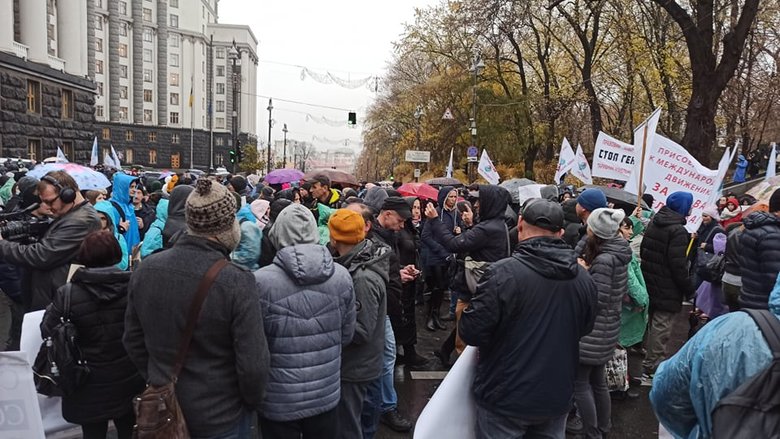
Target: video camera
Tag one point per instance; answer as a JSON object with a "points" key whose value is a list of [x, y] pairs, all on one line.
{"points": [[19, 226]]}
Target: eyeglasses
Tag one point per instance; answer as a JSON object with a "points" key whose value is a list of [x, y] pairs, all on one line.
{"points": [[50, 202]]}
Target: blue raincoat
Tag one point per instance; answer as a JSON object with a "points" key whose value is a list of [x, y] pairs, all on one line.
{"points": [[247, 253], [108, 209], [739, 174], [153, 238], [120, 193], [712, 364]]}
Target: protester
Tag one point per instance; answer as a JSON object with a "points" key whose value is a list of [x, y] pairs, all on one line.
{"points": [[665, 268], [175, 225], [572, 222], [223, 380], [368, 262], [439, 258], [709, 294], [633, 317], [309, 300], [261, 210], [739, 174], [95, 196], [588, 201], [524, 381], [322, 192], [267, 250], [153, 240], [732, 213], [759, 257], [109, 220], [122, 194], [731, 282], [247, 253], [98, 300], [144, 213], [47, 261]]}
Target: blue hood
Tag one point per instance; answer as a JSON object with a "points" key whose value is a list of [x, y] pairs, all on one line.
{"points": [[162, 210], [120, 192], [246, 214], [108, 209]]}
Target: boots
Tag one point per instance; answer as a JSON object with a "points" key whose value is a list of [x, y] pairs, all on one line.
{"points": [[437, 320], [430, 323]]}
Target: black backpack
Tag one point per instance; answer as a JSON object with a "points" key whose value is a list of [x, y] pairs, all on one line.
{"points": [[59, 369], [752, 410], [714, 268]]}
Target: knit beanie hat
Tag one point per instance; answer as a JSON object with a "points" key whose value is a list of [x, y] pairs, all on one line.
{"points": [[680, 202], [155, 186], [210, 211], [712, 212], [605, 223], [238, 182], [592, 199], [347, 226], [774, 201]]}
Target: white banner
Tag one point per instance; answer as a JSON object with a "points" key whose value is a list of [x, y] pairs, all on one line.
{"points": [[670, 168], [93, 158], [650, 124], [566, 160], [612, 158], [772, 164], [487, 170], [449, 166], [581, 168], [529, 191]]}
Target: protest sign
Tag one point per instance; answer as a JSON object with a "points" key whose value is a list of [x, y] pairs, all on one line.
{"points": [[612, 158]]}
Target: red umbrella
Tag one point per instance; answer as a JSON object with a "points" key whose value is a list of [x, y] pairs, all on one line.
{"points": [[419, 190]]}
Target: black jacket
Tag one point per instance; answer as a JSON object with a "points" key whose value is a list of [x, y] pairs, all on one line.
{"points": [[733, 251], [664, 263], [147, 214], [394, 285], [527, 318], [759, 259], [436, 254], [97, 308], [176, 220], [571, 223], [404, 326]]}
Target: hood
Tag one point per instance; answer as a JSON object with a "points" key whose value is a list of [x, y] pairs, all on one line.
{"points": [[162, 210], [492, 201], [104, 283], [306, 264], [510, 217], [375, 197], [667, 217], [760, 219], [732, 200], [287, 194], [295, 225], [370, 255], [108, 209], [178, 201], [550, 257], [245, 213], [570, 211], [443, 195], [120, 191], [618, 247]]}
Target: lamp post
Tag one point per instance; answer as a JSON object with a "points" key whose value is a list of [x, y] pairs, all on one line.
{"points": [[234, 55], [477, 66], [270, 125], [376, 165], [284, 151], [418, 114]]}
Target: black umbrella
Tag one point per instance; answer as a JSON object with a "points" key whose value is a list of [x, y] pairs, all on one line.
{"points": [[512, 184], [621, 198]]}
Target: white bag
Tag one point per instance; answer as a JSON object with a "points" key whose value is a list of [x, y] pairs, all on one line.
{"points": [[20, 416], [452, 412]]}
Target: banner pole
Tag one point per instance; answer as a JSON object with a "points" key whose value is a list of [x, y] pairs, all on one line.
{"points": [[642, 170]]}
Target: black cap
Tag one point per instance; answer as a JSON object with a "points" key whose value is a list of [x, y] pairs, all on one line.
{"points": [[398, 205], [544, 214]]}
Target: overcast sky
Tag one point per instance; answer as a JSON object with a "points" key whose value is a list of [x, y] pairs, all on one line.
{"points": [[350, 39]]}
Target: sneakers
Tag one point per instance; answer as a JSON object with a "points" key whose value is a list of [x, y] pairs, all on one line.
{"points": [[395, 421]]}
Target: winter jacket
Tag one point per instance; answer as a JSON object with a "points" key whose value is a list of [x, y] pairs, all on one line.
{"points": [[633, 317], [108, 209], [759, 258], [46, 262], [739, 174], [153, 240], [527, 318], [98, 300], [6, 191], [436, 253], [368, 264], [175, 224], [394, 284], [404, 325], [733, 251], [308, 314], [664, 263], [324, 213], [571, 222], [609, 270], [722, 355], [247, 253], [226, 368], [147, 214], [120, 194]]}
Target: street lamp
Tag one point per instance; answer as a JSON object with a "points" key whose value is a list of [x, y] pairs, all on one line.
{"points": [[284, 151], [418, 114], [270, 125], [376, 165], [476, 67], [234, 55]]}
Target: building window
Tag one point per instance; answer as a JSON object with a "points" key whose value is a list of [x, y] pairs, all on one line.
{"points": [[123, 29], [220, 88], [99, 67], [123, 113], [100, 89], [122, 92], [100, 111], [174, 60], [34, 150], [147, 55], [220, 70], [220, 53], [99, 23], [220, 123], [175, 160], [174, 99], [152, 156], [67, 104], [147, 14], [98, 44], [106, 133], [122, 50], [152, 137], [123, 8], [148, 35], [175, 138], [123, 71], [67, 148], [221, 106], [129, 136], [174, 79], [220, 141], [147, 75], [148, 115], [129, 155], [174, 118], [174, 21], [147, 95], [173, 3], [33, 96], [174, 39]]}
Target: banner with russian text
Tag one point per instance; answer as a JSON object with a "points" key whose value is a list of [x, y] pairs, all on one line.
{"points": [[612, 158]]}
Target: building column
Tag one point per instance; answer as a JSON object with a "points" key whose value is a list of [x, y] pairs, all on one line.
{"points": [[84, 47], [69, 26], [7, 25], [33, 33]]}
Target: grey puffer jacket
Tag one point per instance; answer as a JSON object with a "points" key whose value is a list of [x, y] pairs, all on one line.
{"points": [[609, 271], [308, 313]]}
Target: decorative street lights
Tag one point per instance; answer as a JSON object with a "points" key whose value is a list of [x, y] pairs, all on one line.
{"points": [[476, 67], [234, 55], [284, 151]]}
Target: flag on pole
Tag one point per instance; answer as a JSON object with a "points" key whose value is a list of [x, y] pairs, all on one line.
{"points": [[581, 168], [642, 144], [772, 165], [723, 167], [449, 167], [93, 159], [566, 160], [61, 156], [192, 95], [487, 170], [107, 160], [115, 158]]}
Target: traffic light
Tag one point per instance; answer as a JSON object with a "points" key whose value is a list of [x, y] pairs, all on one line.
{"points": [[239, 155], [232, 154], [352, 118]]}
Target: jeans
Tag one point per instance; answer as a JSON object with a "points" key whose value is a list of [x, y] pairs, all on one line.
{"points": [[241, 430], [98, 430], [6, 320], [493, 426], [389, 397], [372, 409], [593, 402], [322, 426], [350, 408], [453, 302], [658, 332]]}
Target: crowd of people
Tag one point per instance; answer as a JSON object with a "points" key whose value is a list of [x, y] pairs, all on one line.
{"points": [[302, 331]]}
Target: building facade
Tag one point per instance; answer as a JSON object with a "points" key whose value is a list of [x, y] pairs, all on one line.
{"points": [[342, 159], [46, 94], [165, 75]]}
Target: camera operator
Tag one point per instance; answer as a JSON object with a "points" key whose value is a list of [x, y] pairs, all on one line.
{"points": [[46, 262]]}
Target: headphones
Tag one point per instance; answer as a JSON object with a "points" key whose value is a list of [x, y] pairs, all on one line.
{"points": [[66, 194]]}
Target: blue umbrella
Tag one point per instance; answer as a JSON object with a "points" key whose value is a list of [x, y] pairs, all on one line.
{"points": [[86, 178]]}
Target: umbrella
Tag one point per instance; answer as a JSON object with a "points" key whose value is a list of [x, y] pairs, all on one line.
{"points": [[86, 178], [618, 196], [444, 181], [336, 176], [279, 176], [512, 184], [419, 190]]}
